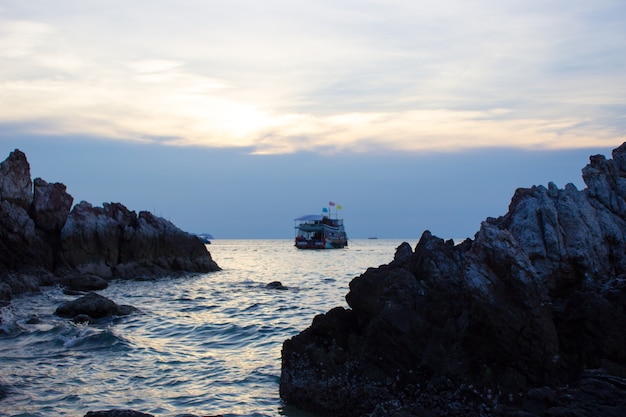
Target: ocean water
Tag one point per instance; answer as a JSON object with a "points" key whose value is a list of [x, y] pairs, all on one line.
{"points": [[205, 344]]}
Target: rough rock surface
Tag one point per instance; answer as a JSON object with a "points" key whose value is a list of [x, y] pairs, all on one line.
{"points": [[15, 182], [42, 240], [82, 282], [94, 306], [276, 285], [129, 413], [112, 241], [51, 206], [527, 319], [117, 413]]}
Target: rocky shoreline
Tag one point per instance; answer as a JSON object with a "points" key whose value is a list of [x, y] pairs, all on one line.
{"points": [[44, 241], [527, 319]]}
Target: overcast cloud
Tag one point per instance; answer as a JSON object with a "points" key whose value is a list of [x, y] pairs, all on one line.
{"points": [[384, 87], [282, 76]]}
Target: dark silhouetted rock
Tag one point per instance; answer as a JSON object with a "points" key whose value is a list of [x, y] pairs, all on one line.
{"points": [[21, 242], [12, 283], [40, 236], [33, 319], [117, 413], [130, 413], [16, 185], [112, 241], [95, 306], [403, 252], [509, 323], [276, 285], [51, 205], [83, 282]]}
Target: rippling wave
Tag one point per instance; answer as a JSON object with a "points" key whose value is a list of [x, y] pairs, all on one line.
{"points": [[204, 344]]}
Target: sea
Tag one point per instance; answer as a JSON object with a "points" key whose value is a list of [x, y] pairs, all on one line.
{"points": [[202, 344]]}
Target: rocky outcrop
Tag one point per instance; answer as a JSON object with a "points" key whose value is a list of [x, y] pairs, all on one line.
{"points": [[509, 323], [276, 285], [41, 237], [15, 182], [93, 306], [21, 242], [51, 206], [112, 241]]}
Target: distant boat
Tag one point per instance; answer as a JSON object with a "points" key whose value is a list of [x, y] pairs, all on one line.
{"points": [[372, 237], [205, 237], [315, 231]]}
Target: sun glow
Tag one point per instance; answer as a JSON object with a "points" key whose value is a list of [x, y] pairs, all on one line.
{"points": [[328, 88]]}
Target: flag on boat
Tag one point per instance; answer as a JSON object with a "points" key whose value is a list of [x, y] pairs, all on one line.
{"points": [[331, 203], [339, 207], [324, 210]]}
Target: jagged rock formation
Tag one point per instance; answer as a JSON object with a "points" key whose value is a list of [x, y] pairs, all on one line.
{"points": [[42, 241], [112, 241], [510, 323]]}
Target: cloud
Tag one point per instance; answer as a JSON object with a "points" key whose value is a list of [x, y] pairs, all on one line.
{"points": [[21, 38], [281, 77]]}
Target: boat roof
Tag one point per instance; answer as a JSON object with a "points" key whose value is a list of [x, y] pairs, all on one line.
{"points": [[308, 217]]}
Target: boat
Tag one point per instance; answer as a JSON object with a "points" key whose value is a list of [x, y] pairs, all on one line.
{"points": [[205, 237], [320, 231]]}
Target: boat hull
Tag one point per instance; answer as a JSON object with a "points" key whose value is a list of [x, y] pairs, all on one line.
{"points": [[318, 244]]}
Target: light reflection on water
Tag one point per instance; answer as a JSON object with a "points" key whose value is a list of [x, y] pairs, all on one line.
{"points": [[206, 344]]}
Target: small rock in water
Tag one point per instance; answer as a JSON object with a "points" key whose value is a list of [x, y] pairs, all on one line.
{"points": [[276, 285], [117, 413], [93, 306], [131, 413]]}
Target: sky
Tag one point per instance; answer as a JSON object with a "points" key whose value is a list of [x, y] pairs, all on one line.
{"points": [[235, 117]]}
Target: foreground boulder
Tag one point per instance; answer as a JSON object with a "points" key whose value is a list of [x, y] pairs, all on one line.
{"points": [[130, 413], [117, 413], [41, 234], [514, 322], [93, 306]]}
